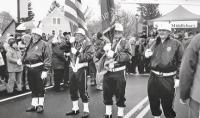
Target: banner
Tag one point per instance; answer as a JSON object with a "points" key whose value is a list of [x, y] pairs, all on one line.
{"points": [[184, 24], [107, 16], [177, 24]]}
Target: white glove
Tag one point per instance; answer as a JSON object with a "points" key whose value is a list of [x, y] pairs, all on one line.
{"points": [[66, 54], [110, 54], [73, 50], [107, 47], [72, 39], [44, 75], [19, 62], [176, 83], [54, 40], [148, 53]]}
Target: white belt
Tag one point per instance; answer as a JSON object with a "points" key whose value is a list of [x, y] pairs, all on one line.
{"points": [[34, 65], [118, 69], [164, 74]]}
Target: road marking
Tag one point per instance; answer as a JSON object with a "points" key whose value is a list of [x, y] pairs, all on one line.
{"points": [[143, 112], [134, 109], [17, 96]]}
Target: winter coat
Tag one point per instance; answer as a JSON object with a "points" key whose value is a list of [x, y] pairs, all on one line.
{"points": [[190, 71], [12, 56], [58, 59]]}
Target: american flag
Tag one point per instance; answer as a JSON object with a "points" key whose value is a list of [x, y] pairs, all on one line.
{"points": [[73, 11]]}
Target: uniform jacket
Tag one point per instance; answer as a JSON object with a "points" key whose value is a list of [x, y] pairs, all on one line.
{"points": [[190, 71], [167, 55], [85, 51], [12, 56], [122, 51], [58, 59], [122, 54], [38, 52]]}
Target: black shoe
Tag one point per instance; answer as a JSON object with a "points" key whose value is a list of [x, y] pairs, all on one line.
{"points": [[85, 114], [40, 109], [72, 112], [31, 109], [108, 116]]}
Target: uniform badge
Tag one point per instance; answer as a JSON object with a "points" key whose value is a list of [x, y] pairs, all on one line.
{"points": [[169, 49], [36, 47]]}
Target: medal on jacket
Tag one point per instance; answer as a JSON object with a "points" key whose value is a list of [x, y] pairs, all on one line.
{"points": [[169, 49], [36, 47]]}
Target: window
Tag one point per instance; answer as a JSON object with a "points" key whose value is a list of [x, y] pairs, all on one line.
{"points": [[54, 20], [53, 32], [58, 20]]}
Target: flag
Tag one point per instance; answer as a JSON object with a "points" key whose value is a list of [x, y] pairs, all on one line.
{"points": [[73, 11], [107, 16]]}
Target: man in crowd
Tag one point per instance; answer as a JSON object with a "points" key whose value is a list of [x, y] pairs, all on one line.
{"points": [[117, 55], [99, 52], [58, 61], [37, 59], [82, 53], [67, 49], [190, 78], [132, 64], [165, 59]]}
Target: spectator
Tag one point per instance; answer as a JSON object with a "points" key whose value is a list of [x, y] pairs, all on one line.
{"points": [[14, 65], [58, 62], [190, 78], [132, 64]]}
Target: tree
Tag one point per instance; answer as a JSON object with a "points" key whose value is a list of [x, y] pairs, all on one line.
{"points": [[94, 27], [54, 5], [30, 13], [127, 19], [149, 11]]}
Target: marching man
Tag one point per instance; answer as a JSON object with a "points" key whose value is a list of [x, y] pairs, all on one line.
{"points": [[82, 52], [116, 57], [165, 55], [37, 60]]}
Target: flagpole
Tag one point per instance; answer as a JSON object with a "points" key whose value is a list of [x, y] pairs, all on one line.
{"points": [[18, 11]]}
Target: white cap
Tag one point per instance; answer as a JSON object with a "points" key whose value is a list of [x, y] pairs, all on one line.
{"points": [[119, 27], [80, 31], [164, 27], [37, 31]]}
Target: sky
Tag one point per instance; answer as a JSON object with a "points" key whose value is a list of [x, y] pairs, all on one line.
{"points": [[41, 7]]}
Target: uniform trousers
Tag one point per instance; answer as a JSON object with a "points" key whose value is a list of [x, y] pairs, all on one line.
{"points": [[14, 77], [78, 83], [58, 77], [66, 74], [194, 109], [114, 84], [161, 91], [35, 82]]}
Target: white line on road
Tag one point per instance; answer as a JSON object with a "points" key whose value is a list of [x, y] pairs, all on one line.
{"points": [[133, 110], [143, 112], [17, 96]]}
